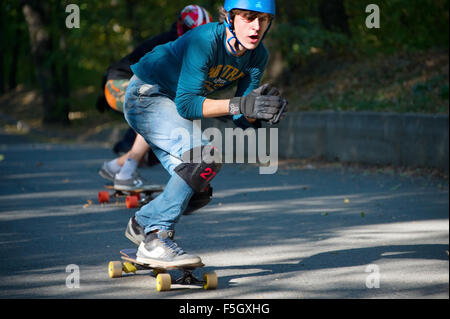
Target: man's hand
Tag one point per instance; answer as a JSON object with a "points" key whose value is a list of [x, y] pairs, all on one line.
{"points": [[263, 103], [268, 89], [265, 89], [280, 115]]}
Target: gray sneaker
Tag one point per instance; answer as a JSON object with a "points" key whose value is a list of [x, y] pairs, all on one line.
{"points": [[106, 173], [159, 249], [136, 182], [135, 232]]}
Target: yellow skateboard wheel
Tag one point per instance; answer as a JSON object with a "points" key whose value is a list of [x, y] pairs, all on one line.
{"points": [[115, 269], [129, 267], [210, 280], [157, 271], [163, 282]]}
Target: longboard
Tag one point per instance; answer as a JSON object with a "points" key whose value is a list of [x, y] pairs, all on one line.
{"points": [[129, 264], [134, 198]]}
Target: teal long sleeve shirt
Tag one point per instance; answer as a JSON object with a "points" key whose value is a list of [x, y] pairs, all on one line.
{"points": [[198, 64]]}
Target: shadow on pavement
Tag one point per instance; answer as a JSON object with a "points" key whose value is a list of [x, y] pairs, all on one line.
{"points": [[45, 224]]}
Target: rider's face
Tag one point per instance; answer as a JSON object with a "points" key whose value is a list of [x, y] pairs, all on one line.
{"points": [[250, 27]]}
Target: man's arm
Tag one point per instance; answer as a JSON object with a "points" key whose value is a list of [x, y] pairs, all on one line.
{"points": [[217, 108]]}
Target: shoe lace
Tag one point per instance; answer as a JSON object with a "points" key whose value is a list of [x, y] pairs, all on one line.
{"points": [[169, 243]]}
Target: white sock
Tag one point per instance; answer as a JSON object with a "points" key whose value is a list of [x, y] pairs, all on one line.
{"points": [[128, 169], [113, 166]]}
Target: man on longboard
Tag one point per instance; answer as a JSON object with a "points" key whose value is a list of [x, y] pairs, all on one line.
{"points": [[168, 91]]}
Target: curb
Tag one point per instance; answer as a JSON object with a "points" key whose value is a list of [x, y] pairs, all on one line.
{"points": [[411, 140]]}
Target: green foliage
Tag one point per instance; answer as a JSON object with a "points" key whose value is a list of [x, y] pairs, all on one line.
{"points": [[304, 38], [404, 25], [110, 29]]}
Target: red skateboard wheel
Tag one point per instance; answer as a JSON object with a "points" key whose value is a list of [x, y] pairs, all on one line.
{"points": [[137, 195], [132, 201], [103, 197]]}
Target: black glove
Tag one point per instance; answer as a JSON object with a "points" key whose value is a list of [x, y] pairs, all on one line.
{"points": [[267, 89], [259, 105], [280, 115]]}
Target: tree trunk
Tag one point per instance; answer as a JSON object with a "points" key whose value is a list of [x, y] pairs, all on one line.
{"points": [[135, 28], [2, 50], [41, 48], [333, 16], [12, 81], [2, 70]]}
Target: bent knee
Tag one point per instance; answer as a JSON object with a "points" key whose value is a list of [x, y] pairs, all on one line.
{"points": [[200, 165]]}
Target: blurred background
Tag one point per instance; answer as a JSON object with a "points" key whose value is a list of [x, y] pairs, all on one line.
{"points": [[322, 56]]}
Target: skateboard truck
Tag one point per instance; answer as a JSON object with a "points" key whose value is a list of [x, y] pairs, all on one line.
{"points": [[188, 278]]}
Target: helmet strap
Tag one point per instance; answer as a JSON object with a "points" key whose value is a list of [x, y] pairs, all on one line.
{"points": [[230, 28]]}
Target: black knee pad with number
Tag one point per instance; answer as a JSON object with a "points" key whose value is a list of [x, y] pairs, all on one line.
{"points": [[200, 165], [199, 200]]}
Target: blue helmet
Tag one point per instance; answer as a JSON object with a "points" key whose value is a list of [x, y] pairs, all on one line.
{"points": [[264, 6]]}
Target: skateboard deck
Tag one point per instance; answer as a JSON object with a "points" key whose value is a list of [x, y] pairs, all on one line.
{"points": [[153, 188], [129, 264], [134, 198]]}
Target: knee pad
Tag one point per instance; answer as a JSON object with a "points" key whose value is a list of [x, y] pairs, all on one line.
{"points": [[199, 167], [199, 200]]}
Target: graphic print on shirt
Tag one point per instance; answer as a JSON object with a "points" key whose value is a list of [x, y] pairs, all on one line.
{"points": [[220, 76]]}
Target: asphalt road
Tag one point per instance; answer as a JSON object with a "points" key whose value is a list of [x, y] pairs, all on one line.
{"points": [[304, 232]]}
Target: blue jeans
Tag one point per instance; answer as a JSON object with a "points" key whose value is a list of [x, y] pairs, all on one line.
{"points": [[152, 114]]}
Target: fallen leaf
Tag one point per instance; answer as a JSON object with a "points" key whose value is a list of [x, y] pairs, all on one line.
{"points": [[89, 203]]}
